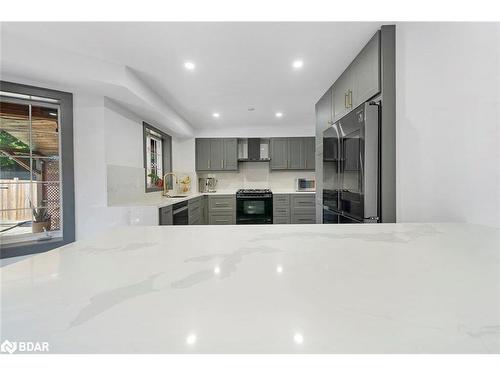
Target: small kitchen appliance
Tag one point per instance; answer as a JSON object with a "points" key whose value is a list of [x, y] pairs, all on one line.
{"points": [[305, 184], [207, 185]]}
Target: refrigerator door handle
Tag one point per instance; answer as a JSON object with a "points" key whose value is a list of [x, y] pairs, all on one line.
{"points": [[370, 162]]}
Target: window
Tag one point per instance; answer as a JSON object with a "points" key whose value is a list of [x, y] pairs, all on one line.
{"points": [[36, 156], [157, 157]]}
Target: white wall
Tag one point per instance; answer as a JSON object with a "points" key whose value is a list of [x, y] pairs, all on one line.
{"points": [[448, 122], [95, 146], [281, 130]]}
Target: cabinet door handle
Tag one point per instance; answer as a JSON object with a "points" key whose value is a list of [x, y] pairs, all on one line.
{"points": [[208, 163], [345, 99], [222, 164], [350, 98]]}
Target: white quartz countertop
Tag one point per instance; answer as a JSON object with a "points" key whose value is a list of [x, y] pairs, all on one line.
{"points": [[379, 288], [157, 200]]}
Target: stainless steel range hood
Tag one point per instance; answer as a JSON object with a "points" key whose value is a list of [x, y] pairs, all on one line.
{"points": [[253, 149]]}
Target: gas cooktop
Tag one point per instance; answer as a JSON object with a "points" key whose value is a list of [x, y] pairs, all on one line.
{"points": [[253, 191]]}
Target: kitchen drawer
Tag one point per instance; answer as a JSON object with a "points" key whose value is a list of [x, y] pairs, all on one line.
{"points": [[222, 203], [222, 219], [281, 200], [195, 201], [303, 218], [281, 211], [165, 216], [281, 220], [303, 201], [194, 209], [195, 220]]}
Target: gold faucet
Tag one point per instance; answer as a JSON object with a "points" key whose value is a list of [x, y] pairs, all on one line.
{"points": [[174, 183]]}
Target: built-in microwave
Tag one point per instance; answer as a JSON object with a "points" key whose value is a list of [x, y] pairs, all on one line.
{"points": [[305, 184]]}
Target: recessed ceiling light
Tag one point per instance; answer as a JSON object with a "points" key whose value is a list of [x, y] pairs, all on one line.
{"points": [[297, 64], [189, 65], [279, 114], [298, 338], [191, 339], [216, 114]]}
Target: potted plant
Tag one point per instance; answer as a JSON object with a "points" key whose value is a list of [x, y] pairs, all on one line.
{"points": [[41, 219], [155, 180]]}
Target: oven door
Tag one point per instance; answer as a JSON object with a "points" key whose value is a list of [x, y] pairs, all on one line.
{"points": [[254, 210]]}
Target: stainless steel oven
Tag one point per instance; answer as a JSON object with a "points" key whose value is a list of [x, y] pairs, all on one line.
{"points": [[254, 206]]}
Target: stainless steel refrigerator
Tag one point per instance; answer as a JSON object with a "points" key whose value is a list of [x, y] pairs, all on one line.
{"points": [[351, 167]]}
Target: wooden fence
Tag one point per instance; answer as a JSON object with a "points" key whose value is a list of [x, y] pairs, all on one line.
{"points": [[15, 197]]}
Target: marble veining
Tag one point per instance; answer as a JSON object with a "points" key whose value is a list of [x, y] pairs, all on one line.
{"points": [[384, 288]]}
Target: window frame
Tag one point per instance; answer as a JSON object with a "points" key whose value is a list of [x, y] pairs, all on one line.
{"points": [[65, 101], [166, 143]]}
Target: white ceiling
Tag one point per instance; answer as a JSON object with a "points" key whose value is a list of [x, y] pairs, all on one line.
{"points": [[237, 64]]}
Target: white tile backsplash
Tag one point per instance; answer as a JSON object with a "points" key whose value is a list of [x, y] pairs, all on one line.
{"points": [[257, 175]]}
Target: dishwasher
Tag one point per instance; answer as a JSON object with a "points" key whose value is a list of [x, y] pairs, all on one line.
{"points": [[180, 213]]}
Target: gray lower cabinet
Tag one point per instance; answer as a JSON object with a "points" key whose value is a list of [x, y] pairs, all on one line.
{"points": [[216, 154], [294, 208], [281, 208], [195, 211], [204, 206], [221, 209], [303, 208], [281, 220], [165, 216], [222, 219]]}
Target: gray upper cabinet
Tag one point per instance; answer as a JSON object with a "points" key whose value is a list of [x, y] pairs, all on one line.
{"points": [[342, 89], [230, 154], [366, 72], [309, 145], [359, 82], [296, 153], [293, 153], [202, 154], [324, 111], [279, 153], [216, 154]]}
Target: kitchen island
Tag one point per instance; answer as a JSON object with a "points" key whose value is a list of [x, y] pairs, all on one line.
{"points": [[382, 288]]}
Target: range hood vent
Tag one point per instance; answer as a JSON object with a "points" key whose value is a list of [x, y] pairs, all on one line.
{"points": [[253, 149]]}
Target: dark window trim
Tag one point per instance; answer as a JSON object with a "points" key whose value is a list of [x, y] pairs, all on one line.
{"points": [[166, 154], [67, 162]]}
